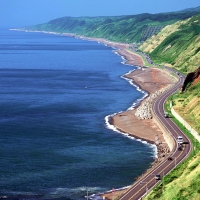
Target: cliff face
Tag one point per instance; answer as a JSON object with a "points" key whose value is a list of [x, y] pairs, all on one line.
{"points": [[193, 77]]}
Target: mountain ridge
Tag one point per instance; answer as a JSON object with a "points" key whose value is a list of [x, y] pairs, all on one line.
{"points": [[125, 28]]}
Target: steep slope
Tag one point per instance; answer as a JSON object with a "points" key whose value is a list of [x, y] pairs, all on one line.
{"points": [[177, 45], [181, 184], [192, 77], [149, 45], [132, 28], [187, 103]]}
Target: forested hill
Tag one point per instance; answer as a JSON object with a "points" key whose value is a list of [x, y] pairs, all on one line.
{"points": [[131, 28]]}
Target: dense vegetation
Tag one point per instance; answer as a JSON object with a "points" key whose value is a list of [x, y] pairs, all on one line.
{"points": [[131, 28]]}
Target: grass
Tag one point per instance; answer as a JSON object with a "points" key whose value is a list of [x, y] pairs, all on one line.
{"points": [[182, 182], [176, 45], [128, 29], [187, 104]]}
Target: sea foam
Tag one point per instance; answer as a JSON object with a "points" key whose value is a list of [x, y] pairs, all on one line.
{"points": [[133, 106]]}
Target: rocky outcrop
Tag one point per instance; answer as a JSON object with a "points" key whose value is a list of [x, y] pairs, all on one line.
{"points": [[190, 78], [144, 110]]}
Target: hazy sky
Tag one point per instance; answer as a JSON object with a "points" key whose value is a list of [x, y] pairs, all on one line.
{"points": [[15, 13]]}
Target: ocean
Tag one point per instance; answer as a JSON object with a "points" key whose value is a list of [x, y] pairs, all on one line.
{"points": [[56, 93]]}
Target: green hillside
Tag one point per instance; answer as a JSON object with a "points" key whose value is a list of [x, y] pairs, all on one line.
{"points": [[131, 28], [181, 184], [187, 104], [178, 45], [180, 48]]}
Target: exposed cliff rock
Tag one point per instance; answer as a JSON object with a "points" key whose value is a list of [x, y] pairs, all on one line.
{"points": [[190, 78]]}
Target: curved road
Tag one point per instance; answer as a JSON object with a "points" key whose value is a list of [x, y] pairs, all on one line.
{"points": [[141, 187]]}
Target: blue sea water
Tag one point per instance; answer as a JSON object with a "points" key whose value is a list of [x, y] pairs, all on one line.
{"points": [[55, 93]]}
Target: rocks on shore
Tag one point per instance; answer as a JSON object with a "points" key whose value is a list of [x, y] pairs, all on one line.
{"points": [[144, 110]]}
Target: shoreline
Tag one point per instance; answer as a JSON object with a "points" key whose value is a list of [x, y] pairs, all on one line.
{"points": [[146, 80], [149, 81]]}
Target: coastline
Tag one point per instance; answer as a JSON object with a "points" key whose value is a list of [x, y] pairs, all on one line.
{"points": [[149, 80], [145, 79]]}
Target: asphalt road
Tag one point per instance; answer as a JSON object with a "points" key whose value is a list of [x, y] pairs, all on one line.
{"points": [[141, 187]]}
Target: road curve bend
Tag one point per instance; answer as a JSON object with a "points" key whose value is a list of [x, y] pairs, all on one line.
{"points": [[141, 187]]}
